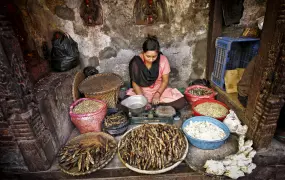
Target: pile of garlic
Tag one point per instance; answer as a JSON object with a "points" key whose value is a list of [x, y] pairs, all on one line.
{"points": [[235, 166], [234, 124]]}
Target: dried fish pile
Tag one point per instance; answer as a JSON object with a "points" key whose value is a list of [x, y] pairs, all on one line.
{"points": [[81, 158], [153, 146], [200, 91], [211, 109], [115, 120], [87, 106]]}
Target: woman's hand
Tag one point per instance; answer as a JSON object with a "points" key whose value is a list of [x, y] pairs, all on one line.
{"points": [[148, 107], [155, 99]]}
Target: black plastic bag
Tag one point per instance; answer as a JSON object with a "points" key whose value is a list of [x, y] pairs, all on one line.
{"points": [[203, 82], [64, 53]]}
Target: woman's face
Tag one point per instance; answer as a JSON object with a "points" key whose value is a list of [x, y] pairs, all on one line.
{"points": [[150, 56]]}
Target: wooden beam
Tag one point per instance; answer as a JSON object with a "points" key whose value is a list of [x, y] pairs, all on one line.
{"points": [[267, 90], [214, 31], [262, 57]]}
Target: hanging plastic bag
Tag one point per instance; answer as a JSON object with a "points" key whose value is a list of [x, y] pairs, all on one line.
{"points": [[64, 53]]}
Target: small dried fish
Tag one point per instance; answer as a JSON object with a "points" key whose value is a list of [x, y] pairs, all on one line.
{"points": [[83, 158], [80, 162], [115, 119], [200, 91], [153, 146]]}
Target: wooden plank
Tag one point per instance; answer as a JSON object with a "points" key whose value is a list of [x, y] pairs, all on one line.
{"points": [[231, 100], [262, 57], [214, 31]]}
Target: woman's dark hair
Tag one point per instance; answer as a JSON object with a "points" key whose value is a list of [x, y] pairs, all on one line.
{"points": [[151, 44]]}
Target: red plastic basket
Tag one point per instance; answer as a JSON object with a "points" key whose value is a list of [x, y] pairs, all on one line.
{"points": [[195, 113], [192, 98], [88, 122]]}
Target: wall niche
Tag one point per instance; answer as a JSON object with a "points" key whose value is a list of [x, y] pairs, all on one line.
{"points": [[91, 12], [150, 12]]}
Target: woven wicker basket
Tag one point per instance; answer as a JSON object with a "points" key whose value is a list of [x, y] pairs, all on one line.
{"points": [[103, 86], [87, 139], [151, 171], [78, 78]]}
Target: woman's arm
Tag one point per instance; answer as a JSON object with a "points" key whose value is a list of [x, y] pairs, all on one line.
{"points": [[163, 86], [137, 88]]}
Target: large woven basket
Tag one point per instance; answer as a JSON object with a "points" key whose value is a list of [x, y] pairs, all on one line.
{"points": [[78, 78], [103, 86], [151, 171], [86, 140]]}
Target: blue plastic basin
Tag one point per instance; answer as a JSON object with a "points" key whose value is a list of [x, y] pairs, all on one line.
{"points": [[203, 144]]}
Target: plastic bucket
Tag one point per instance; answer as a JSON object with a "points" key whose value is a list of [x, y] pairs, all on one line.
{"points": [[192, 98], [196, 113]]}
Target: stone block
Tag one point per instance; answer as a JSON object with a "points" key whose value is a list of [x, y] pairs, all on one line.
{"points": [[107, 53], [54, 96], [261, 160], [93, 61], [119, 43], [73, 3], [11, 157], [64, 13], [262, 173], [280, 174], [80, 29], [33, 155], [196, 158]]}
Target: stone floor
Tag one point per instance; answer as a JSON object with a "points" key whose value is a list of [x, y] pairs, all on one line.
{"points": [[270, 166], [266, 160]]}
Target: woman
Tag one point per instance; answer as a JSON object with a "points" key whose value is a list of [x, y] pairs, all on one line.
{"points": [[149, 75]]}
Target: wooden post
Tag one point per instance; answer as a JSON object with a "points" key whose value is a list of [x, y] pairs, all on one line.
{"points": [[214, 31], [267, 93]]}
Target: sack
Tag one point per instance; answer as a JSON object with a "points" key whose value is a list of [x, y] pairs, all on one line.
{"points": [[64, 53], [245, 82], [231, 80]]}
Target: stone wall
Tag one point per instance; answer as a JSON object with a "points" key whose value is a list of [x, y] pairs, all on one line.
{"points": [[111, 45], [252, 11]]}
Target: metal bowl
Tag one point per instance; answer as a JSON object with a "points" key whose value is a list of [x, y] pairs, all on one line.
{"points": [[136, 104]]}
